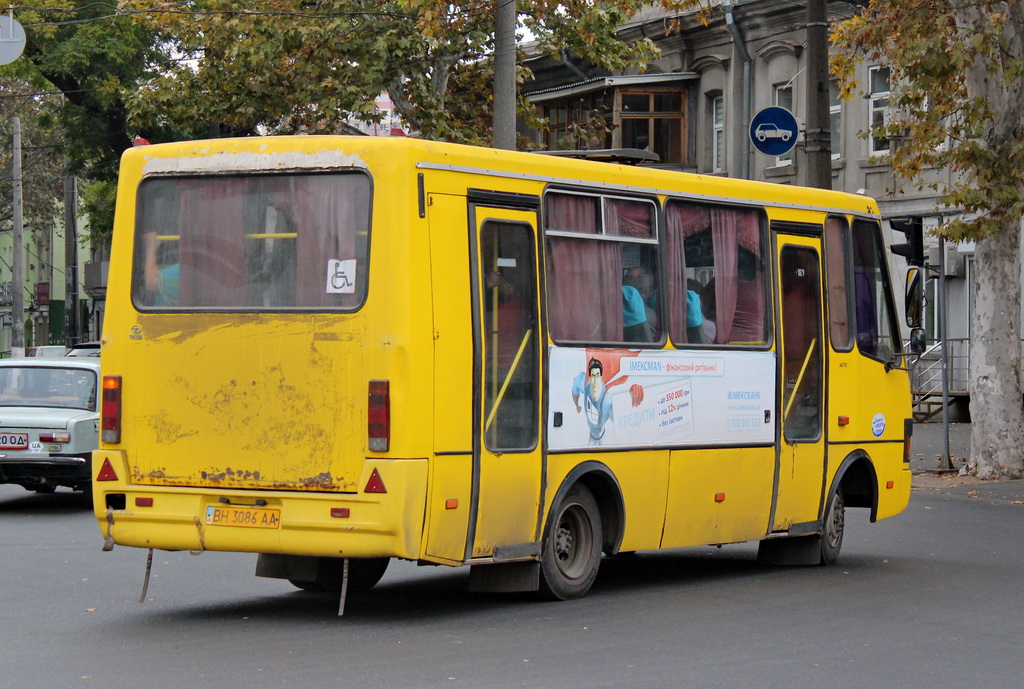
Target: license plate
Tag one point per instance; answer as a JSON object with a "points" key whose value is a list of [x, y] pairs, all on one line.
{"points": [[13, 441], [250, 517]]}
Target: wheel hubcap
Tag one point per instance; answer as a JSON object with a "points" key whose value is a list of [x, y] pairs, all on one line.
{"points": [[572, 541], [836, 522]]}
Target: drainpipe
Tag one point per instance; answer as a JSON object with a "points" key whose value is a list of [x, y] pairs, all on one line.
{"points": [[748, 87]]}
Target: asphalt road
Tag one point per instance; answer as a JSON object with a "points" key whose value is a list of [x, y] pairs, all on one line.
{"points": [[930, 598]]}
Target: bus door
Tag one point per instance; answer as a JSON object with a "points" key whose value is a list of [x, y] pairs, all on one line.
{"points": [[507, 467], [801, 448]]}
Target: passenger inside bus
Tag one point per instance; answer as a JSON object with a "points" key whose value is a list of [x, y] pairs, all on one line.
{"points": [[635, 326], [161, 269], [707, 307]]}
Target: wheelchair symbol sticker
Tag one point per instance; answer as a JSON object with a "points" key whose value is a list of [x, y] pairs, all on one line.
{"points": [[341, 276]]}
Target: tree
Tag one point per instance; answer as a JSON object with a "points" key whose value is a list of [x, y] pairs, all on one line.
{"points": [[41, 166], [285, 66], [94, 56], [957, 69]]}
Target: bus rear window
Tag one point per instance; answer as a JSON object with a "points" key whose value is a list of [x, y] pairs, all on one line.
{"points": [[254, 242]]}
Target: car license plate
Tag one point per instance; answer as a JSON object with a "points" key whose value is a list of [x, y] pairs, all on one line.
{"points": [[13, 441], [251, 517]]}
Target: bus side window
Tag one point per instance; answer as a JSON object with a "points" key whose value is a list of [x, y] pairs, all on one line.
{"points": [[716, 292], [602, 269]]}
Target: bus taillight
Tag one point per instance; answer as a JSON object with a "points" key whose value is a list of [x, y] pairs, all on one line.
{"points": [[110, 412], [379, 415]]}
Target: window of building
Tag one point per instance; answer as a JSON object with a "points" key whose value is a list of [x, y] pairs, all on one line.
{"points": [[602, 268], [783, 96], [835, 116], [879, 102], [715, 268], [718, 134], [578, 123], [653, 121]]}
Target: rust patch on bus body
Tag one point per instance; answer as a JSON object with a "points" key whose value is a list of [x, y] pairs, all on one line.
{"points": [[277, 407], [323, 481]]}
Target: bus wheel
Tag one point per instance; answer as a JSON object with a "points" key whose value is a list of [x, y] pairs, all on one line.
{"points": [[363, 574], [832, 528], [571, 552]]}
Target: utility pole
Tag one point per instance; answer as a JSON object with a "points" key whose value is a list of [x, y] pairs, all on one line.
{"points": [[18, 261], [71, 335], [818, 138], [504, 117]]}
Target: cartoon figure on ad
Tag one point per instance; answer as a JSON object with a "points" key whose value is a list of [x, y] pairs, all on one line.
{"points": [[593, 386]]}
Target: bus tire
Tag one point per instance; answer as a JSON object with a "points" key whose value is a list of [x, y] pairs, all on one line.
{"points": [[832, 526], [363, 574], [571, 551]]}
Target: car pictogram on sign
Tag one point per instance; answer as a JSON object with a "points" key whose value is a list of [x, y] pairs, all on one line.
{"points": [[771, 131]]}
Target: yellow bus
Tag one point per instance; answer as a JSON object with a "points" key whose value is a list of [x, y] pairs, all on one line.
{"points": [[332, 351]]}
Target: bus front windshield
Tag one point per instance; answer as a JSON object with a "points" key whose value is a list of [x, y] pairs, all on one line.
{"points": [[254, 242]]}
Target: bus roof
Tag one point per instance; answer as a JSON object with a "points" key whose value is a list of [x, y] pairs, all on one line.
{"points": [[282, 153]]}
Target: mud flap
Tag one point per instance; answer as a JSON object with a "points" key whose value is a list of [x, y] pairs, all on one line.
{"points": [[801, 550], [508, 577]]}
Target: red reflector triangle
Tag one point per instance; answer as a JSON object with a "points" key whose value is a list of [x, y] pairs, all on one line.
{"points": [[106, 472], [375, 485]]}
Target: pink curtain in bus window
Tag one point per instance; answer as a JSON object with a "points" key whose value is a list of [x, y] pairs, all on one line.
{"points": [[211, 258], [629, 218], [571, 213], [739, 305], [584, 290], [330, 211], [682, 220]]}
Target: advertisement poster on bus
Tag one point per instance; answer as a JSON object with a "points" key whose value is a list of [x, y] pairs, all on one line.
{"points": [[657, 398]]}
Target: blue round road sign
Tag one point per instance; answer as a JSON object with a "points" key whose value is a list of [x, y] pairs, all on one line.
{"points": [[773, 131]]}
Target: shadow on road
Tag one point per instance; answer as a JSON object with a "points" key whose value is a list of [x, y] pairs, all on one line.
{"points": [[439, 592], [59, 502]]}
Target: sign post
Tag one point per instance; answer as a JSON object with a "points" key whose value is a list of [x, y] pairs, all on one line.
{"points": [[773, 131]]}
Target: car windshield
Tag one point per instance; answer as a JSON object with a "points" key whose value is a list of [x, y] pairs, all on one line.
{"points": [[37, 386]]}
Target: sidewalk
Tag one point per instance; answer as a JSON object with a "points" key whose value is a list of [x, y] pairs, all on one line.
{"points": [[927, 462], [927, 447]]}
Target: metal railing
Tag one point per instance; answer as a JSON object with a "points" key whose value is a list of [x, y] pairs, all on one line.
{"points": [[926, 376]]}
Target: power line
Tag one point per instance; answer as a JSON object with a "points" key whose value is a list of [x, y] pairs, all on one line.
{"points": [[119, 12]]}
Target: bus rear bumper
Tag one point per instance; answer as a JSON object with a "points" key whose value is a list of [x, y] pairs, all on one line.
{"points": [[265, 521]]}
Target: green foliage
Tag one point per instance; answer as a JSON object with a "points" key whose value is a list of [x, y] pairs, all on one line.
{"points": [[957, 99], [97, 204], [95, 56], [285, 66], [42, 168]]}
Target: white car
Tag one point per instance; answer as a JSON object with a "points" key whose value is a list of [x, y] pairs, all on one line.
{"points": [[49, 421]]}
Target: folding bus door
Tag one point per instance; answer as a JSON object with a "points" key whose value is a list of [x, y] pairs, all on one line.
{"points": [[507, 473], [801, 448]]}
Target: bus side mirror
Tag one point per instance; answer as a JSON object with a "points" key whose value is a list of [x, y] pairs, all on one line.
{"points": [[913, 297], [917, 341]]}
